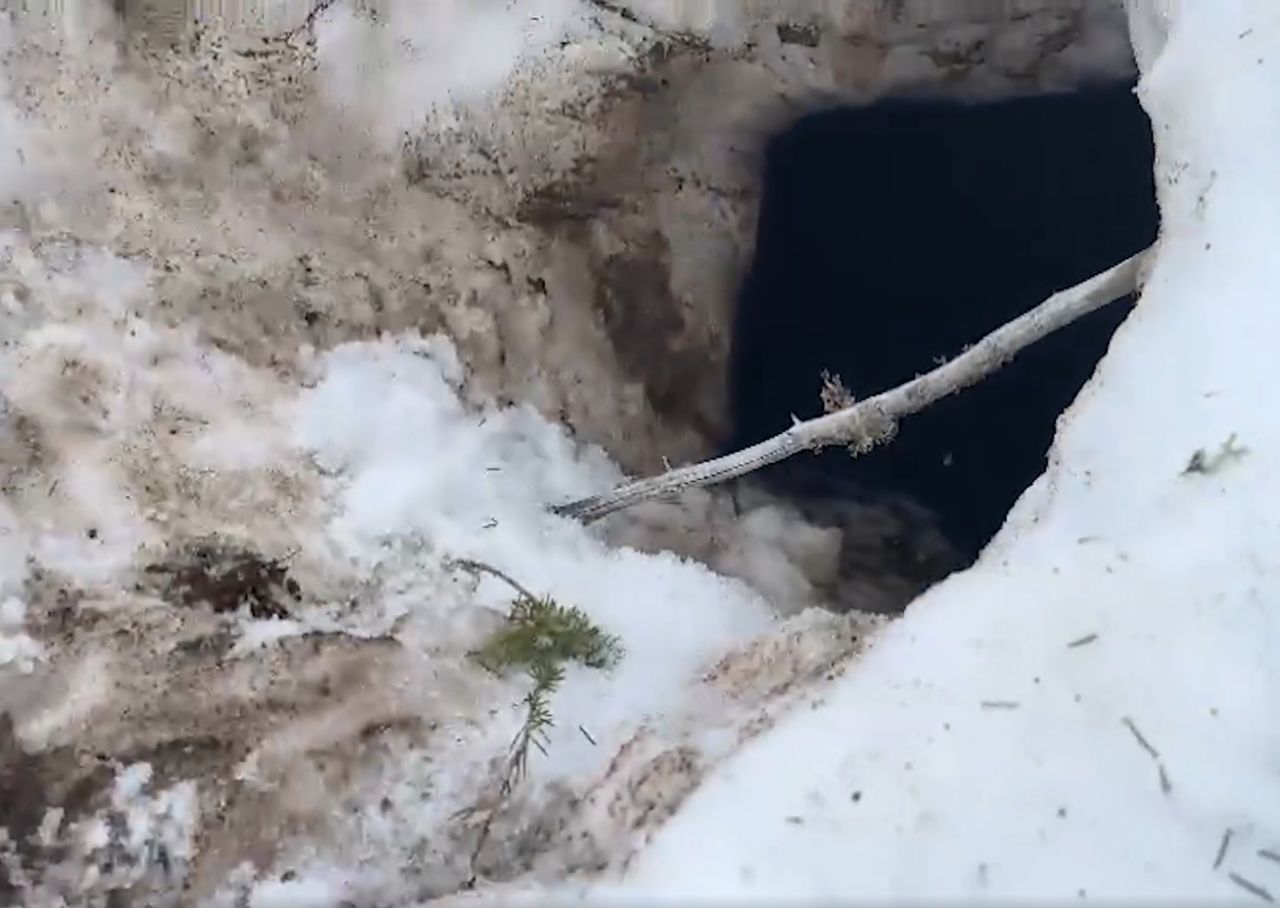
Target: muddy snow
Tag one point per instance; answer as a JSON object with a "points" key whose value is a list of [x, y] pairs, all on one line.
{"points": [[245, 446]]}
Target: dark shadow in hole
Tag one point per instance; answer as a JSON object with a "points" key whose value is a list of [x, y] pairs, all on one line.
{"points": [[894, 234]]}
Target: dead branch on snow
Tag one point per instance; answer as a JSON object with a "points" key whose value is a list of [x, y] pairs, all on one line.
{"points": [[873, 421]]}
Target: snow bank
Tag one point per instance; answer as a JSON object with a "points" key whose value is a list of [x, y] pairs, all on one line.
{"points": [[1089, 711]]}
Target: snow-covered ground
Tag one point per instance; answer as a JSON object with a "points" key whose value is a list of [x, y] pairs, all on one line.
{"points": [[1090, 710], [176, 443]]}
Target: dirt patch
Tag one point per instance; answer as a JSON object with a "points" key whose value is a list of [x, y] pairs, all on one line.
{"points": [[227, 578], [23, 449], [31, 785], [131, 679], [564, 202], [803, 35], [633, 295], [813, 647], [22, 798], [647, 325]]}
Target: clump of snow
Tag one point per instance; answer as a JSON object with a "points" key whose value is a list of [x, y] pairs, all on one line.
{"points": [[422, 60], [413, 463], [1089, 711], [17, 649]]}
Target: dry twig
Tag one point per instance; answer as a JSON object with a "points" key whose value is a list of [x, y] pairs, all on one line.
{"points": [[873, 421], [479, 567], [1222, 849], [1165, 785], [1251, 887]]}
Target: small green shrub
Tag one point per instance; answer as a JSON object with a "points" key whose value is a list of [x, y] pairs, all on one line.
{"points": [[540, 631], [540, 636]]}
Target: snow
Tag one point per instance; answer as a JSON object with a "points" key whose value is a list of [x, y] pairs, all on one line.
{"points": [[356, 737], [988, 746], [414, 463], [416, 64], [990, 743], [406, 477], [16, 647]]}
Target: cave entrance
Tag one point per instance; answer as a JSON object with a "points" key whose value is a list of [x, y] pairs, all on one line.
{"points": [[892, 235]]}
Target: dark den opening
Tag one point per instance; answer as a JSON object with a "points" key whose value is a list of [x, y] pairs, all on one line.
{"points": [[893, 235]]}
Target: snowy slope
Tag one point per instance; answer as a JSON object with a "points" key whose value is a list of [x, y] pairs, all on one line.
{"points": [[1091, 710]]}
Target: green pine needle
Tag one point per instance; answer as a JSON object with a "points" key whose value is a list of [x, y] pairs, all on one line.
{"points": [[541, 632], [540, 636]]}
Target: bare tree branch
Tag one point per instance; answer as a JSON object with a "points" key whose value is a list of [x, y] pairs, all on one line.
{"points": [[874, 420]]}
